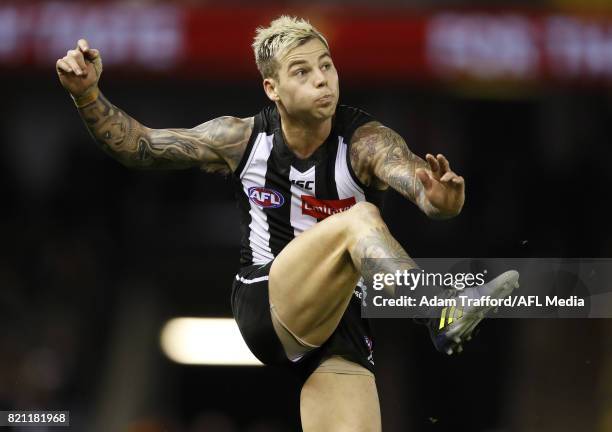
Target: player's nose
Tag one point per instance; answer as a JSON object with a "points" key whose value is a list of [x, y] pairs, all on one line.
{"points": [[320, 79]]}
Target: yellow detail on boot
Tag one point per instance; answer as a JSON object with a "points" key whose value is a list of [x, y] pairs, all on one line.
{"points": [[442, 318], [451, 314]]}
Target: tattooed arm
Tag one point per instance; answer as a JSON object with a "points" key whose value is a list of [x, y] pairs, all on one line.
{"points": [[215, 146], [381, 158]]}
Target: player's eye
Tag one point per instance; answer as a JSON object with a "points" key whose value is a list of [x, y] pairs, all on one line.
{"points": [[326, 66]]}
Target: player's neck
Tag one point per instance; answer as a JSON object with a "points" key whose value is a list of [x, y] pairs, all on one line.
{"points": [[304, 138]]}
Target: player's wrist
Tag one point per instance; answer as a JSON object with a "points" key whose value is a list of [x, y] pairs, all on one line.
{"points": [[89, 96]]}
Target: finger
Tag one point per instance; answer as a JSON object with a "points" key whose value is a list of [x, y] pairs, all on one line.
{"points": [[424, 177], [73, 65], [448, 177], [433, 163], [82, 45], [78, 57], [62, 66], [92, 54], [459, 181], [444, 165]]}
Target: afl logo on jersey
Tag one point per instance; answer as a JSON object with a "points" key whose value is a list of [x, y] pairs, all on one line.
{"points": [[265, 197]]}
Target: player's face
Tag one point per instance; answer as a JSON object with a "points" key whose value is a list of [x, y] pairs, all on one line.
{"points": [[307, 84]]}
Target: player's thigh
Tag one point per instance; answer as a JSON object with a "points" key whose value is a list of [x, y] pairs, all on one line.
{"points": [[313, 277], [340, 402]]}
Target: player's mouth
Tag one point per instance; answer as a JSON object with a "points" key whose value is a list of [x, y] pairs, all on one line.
{"points": [[325, 100]]}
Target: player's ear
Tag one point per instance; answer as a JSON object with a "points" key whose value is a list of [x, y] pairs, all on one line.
{"points": [[269, 85]]}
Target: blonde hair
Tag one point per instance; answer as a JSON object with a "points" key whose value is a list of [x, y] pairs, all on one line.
{"points": [[283, 34]]}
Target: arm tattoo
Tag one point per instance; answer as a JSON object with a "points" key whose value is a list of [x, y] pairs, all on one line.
{"points": [[214, 146], [380, 157]]}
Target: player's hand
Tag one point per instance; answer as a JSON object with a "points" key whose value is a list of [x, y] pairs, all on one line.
{"points": [[444, 189], [80, 70]]}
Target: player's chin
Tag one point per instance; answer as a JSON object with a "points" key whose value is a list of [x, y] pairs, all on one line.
{"points": [[323, 112]]}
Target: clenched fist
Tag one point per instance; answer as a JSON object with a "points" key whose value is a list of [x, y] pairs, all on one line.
{"points": [[80, 70]]}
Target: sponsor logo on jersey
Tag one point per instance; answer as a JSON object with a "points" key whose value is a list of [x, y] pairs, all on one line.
{"points": [[321, 209], [303, 184], [265, 197]]}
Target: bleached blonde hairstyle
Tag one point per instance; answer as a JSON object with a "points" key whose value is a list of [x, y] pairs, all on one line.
{"points": [[283, 34]]}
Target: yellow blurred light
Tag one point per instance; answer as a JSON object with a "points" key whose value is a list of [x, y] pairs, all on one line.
{"points": [[206, 341]]}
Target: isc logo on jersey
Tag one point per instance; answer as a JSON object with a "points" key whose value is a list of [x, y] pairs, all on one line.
{"points": [[304, 184], [265, 197]]}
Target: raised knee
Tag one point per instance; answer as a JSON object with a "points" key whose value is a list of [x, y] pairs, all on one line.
{"points": [[363, 215], [364, 210]]}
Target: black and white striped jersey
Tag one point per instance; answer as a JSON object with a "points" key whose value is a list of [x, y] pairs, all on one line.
{"points": [[280, 196]]}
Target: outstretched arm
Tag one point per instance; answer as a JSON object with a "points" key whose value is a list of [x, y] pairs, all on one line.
{"points": [[214, 146], [381, 158]]}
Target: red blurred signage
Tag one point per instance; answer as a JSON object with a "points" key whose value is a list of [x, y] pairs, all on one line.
{"points": [[214, 43]]}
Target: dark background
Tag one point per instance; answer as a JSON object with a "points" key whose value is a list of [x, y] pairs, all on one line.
{"points": [[96, 257]]}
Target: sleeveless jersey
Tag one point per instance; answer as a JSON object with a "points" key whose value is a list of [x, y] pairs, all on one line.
{"points": [[280, 196]]}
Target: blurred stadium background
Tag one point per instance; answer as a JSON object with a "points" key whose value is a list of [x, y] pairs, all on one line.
{"points": [[96, 259]]}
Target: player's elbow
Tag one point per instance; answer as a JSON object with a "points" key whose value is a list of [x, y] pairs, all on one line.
{"points": [[134, 163]]}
